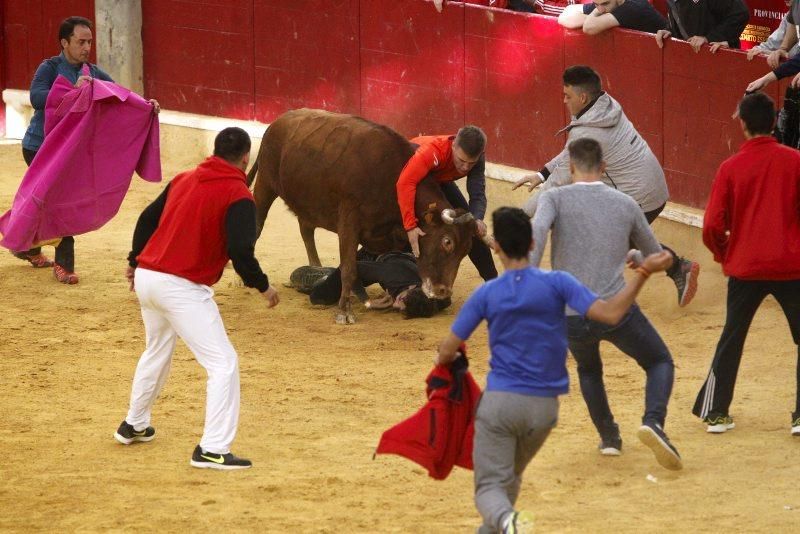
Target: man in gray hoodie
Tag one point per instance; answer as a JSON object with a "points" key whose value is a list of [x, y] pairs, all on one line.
{"points": [[631, 167]]}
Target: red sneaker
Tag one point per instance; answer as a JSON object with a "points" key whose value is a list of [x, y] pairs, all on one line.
{"points": [[64, 276], [37, 260]]}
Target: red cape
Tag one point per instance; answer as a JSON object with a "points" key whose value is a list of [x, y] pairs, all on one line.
{"points": [[440, 434]]}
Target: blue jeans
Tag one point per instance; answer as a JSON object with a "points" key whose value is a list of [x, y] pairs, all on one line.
{"points": [[637, 338]]}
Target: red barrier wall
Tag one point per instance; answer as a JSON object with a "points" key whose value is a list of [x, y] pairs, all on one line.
{"points": [[403, 64], [30, 28]]}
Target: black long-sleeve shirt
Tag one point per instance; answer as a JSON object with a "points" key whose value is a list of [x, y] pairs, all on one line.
{"points": [[716, 20], [240, 235]]}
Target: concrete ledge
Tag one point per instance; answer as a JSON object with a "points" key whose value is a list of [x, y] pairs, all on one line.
{"points": [[19, 111]]}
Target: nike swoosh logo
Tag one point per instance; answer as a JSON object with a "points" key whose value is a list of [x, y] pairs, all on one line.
{"points": [[220, 460], [139, 432], [435, 161]]}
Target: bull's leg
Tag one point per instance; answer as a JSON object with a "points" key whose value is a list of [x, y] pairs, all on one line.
{"points": [[348, 243], [264, 196], [307, 232]]}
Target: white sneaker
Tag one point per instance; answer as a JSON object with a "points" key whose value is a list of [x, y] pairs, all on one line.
{"points": [[719, 424], [796, 427]]}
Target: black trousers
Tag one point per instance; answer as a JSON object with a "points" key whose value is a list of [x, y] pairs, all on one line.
{"points": [[744, 299], [394, 272], [65, 251], [479, 254], [652, 216]]}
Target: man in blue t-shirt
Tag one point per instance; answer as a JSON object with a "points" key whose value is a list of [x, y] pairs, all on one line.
{"points": [[525, 312]]}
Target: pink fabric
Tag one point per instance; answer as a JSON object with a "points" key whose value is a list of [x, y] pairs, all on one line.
{"points": [[96, 136]]}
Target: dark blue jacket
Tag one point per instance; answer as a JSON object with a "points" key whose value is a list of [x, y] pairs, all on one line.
{"points": [[43, 80]]}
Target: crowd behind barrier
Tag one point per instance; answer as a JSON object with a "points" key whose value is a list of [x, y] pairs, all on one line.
{"points": [[423, 72]]}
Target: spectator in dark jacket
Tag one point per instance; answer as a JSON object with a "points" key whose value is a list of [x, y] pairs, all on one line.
{"points": [[715, 22]]}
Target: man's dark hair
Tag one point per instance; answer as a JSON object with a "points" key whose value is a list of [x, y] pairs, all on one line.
{"points": [[512, 231], [472, 140], [67, 27], [419, 305], [757, 111], [584, 79], [585, 154], [231, 144]]}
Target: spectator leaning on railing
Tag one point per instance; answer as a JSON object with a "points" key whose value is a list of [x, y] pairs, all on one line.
{"points": [[775, 40], [715, 22], [789, 37], [603, 15]]}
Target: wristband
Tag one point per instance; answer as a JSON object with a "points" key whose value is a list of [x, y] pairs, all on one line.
{"points": [[644, 272]]}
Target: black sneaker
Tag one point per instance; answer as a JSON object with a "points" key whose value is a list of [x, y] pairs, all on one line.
{"points": [[611, 445], [126, 435], [796, 426], [306, 277], [210, 460], [652, 435]]}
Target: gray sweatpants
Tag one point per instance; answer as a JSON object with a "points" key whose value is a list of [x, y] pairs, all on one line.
{"points": [[509, 430]]}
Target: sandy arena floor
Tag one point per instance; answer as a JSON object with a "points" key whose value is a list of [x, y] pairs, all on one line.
{"points": [[316, 397]]}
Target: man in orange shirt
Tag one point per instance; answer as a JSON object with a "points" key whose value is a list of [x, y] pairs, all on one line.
{"points": [[446, 159]]}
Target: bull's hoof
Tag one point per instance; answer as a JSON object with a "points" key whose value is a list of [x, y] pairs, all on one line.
{"points": [[345, 318]]}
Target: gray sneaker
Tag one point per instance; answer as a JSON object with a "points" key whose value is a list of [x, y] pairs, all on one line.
{"points": [[685, 279]]}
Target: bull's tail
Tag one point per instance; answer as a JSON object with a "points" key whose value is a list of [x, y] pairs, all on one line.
{"points": [[251, 176]]}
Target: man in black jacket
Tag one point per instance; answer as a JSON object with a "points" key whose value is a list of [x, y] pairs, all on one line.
{"points": [[715, 22]]}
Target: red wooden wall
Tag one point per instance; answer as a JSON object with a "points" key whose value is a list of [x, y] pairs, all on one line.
{"points": [[30, 30], [403, 64]]}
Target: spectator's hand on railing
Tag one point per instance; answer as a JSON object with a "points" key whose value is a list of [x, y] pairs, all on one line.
{"points": [[774, 58], [438, 4], [661, 35], [533, 180], [757, 85], [717, 46], [753, 52], [697, 42]]}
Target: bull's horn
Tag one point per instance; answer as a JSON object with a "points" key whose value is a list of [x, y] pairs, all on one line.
{"points": [[467, 217], [449, 217]]}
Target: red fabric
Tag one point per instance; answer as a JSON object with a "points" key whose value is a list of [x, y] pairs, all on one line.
{"points": [[440, 434], [434, 157], [756, 198], [190, 239]]}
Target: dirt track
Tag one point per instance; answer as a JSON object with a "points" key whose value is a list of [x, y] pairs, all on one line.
{"points": [[316, 397]]}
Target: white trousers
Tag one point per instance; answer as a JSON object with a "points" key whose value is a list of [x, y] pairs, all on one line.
{"points": [[173, 306]]}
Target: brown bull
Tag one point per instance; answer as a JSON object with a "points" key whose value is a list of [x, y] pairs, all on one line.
{"points": [[338, 172]]}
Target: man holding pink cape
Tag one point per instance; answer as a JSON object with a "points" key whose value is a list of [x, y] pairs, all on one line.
{"points": [[97, 134]]}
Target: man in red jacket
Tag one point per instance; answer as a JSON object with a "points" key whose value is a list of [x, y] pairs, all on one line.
{"points": [[446, 159], [181, 244], [752, 225]]}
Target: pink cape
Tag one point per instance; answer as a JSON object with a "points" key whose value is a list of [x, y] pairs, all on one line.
{"points": [[96, 136]]}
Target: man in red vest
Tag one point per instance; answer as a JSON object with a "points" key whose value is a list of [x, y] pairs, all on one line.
{"points": [[181, 244]]}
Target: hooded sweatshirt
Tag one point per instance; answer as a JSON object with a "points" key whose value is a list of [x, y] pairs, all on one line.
{"points": [[631, 167], [191, 239]]}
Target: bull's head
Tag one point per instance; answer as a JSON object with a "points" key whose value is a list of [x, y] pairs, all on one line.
{"points": [[447, 239]]}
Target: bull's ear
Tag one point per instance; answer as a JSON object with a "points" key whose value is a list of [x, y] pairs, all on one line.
{"points": [[431, 217]]}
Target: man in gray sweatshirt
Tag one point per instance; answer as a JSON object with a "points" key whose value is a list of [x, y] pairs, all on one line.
{"points": [[631, 167], [592, 226]]}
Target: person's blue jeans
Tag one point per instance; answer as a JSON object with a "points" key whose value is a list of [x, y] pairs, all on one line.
{"points": [[637, 338]]}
